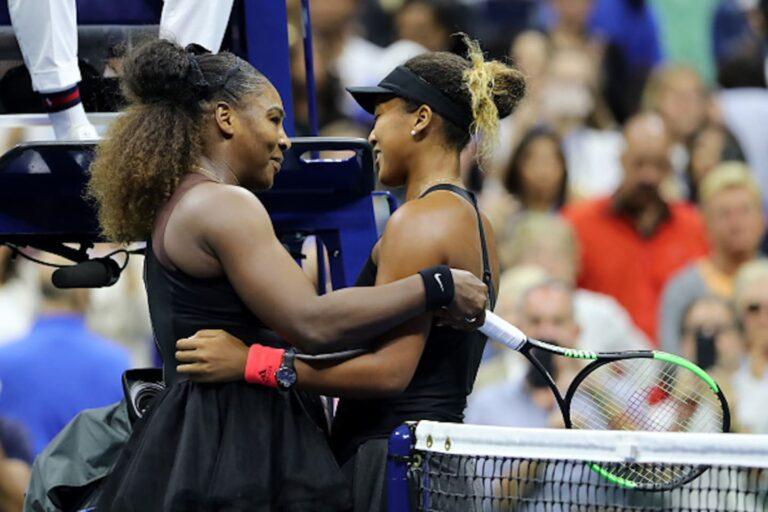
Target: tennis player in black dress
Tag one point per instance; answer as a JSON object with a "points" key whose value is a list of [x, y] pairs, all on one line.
{"points": [[199, 125], [426, 111]]}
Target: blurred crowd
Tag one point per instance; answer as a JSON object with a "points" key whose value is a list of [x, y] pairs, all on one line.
{"points": [[627, 194], [628, 190]]}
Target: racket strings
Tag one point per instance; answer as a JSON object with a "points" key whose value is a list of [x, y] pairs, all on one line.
{"points": [[645, 394], [693, 398], [649, 475]]}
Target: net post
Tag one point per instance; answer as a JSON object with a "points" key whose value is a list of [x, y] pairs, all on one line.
{"points": [[398, 451]]}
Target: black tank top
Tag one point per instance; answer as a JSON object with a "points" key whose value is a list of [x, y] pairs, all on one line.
{"points": [[180, 304], [444, 376]]}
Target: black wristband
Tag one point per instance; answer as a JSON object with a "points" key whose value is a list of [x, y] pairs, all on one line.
{"points": [[438, 284]]}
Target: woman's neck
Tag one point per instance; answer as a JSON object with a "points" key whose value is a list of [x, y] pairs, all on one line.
{"points": [[729, 264], [758, 361], [569, 33], [430, 167], [218, 168], [538, 204]]}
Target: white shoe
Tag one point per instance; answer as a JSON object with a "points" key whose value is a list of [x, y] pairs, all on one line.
{"points": [[85, 131]]}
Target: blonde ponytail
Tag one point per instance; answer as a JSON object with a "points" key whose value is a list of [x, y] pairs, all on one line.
{"points": [[495, 89]]}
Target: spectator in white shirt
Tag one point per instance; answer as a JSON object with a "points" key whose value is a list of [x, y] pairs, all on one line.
{"points": [[17, 297], [545, 312], [750, 383], [571, 104], [355, 60]]}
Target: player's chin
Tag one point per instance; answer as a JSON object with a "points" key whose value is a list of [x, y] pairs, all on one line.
{"points": [[265, 180], [390, 179]]}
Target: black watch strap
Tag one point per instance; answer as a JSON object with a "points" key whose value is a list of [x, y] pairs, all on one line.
{"points": [[289, 358], [286, 373]]}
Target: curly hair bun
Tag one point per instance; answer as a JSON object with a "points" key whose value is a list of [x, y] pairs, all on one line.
{"points": [[159, 71], [155, 142], [508, 87]]}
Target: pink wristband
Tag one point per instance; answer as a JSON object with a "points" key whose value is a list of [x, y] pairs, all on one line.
{"points": [[262, 365]]}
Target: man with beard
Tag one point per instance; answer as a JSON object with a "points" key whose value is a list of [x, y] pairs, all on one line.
{"points": [[633, 241]]}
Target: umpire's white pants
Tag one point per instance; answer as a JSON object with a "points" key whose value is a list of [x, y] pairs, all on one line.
{"points": [[195, 21], [47, 34]]}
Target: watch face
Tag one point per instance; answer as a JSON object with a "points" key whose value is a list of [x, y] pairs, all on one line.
{"points": [[286, 377]]}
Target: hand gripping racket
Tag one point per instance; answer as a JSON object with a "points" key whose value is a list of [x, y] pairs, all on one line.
{"points": [[633, 390]]}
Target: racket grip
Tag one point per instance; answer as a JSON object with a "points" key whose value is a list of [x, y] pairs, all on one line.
{"points": [[502, 331]]}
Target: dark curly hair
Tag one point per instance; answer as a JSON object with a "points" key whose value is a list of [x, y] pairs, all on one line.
{"points": [[491, 89], [157, 139]]}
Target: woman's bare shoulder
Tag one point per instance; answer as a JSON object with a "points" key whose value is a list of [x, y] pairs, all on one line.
{"points": [[211, 204], [431, 222]]}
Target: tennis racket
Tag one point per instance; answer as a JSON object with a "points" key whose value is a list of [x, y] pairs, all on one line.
{"points": [[633, 390]]}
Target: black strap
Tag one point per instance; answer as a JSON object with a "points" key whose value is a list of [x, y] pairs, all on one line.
{"points": [[469, 196]]}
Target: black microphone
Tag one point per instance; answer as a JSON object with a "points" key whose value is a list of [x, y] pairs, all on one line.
{"points": [[96, 273]]}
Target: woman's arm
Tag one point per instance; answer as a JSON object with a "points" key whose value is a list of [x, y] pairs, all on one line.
{"points": [[411, 241], [236, 230]]}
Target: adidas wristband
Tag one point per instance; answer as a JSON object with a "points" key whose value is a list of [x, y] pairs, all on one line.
{"points": [[262, 364], [438, 284]]}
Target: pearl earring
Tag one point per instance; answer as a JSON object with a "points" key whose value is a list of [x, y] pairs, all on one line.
{"points": [[413, 133]]}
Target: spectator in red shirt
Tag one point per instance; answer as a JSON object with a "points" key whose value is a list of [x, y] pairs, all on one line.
{"points": [[633, 241]]}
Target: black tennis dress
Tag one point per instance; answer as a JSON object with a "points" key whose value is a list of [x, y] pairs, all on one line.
{"points": [[219, 447], [438, 391]]}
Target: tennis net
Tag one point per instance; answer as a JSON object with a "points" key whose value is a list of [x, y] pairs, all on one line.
{"points": [[451, 467]]}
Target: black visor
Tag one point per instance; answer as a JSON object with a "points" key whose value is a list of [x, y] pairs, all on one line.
{"points": [[406, 84]]}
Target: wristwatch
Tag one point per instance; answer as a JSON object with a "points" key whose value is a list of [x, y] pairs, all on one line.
{"points": [[286, 374]]}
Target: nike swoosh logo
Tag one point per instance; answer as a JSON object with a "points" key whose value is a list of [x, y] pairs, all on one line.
{"points": [[439, 282]]}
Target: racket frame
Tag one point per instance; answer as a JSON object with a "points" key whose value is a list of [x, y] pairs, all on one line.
{"points": [[600, 359], [525, 350]]}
